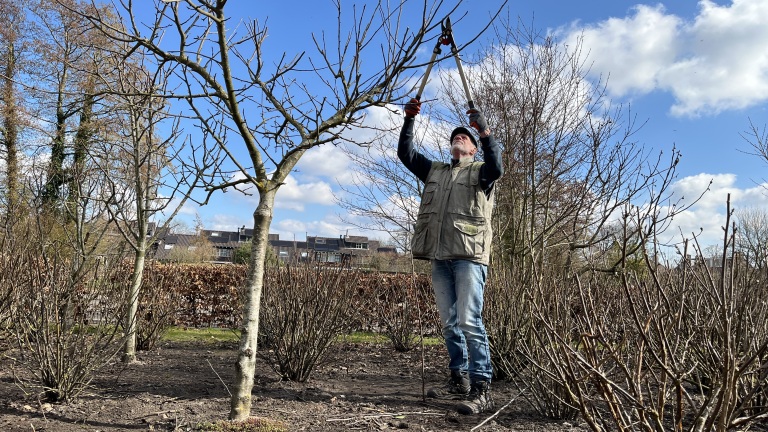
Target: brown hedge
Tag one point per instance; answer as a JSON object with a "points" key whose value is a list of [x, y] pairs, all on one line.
{"points": [[209, 294]]}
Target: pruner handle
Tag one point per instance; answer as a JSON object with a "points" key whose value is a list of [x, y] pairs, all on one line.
{"points": [[435, 52]]}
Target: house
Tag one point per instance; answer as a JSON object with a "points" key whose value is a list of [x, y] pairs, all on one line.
{"points": [[220, 246], [209, 245], [226, 242], [289, 250], [355, 250]]}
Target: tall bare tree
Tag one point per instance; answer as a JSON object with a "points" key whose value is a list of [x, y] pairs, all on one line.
{"points": [[752, 239], [60, 50], [757, 138], [144, 165], [752, 234], [67, 56], [274, 111], [14, 44]]}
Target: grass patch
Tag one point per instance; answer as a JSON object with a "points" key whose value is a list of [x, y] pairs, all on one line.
{"points": [[362, 337], [215, 335], [378, 338], [183, 334]]}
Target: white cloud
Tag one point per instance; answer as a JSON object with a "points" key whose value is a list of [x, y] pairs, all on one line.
{"points": [[332, 163], [632, 50], [326, 161], [707, 216], [227, 222], [294, 195], [716, 61]]}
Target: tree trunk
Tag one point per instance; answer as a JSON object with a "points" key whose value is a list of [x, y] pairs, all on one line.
{"points": [[10, 133], [240, 406], [129, 349], [11, 68], [81, 143], [55, 175]]}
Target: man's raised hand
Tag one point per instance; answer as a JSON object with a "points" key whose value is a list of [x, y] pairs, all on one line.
{"points": [[412, 108], [477, 121]]}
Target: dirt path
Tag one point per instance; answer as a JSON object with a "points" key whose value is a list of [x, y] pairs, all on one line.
{"points": [[178, 386]]}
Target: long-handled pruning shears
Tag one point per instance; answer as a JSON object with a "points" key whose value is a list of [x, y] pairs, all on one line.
{"points": [[446, 38]]}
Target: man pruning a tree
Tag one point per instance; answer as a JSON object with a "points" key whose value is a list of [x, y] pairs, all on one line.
{"points": [[453, 230]]}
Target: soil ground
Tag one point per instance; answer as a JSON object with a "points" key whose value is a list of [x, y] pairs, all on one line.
{"points": [[178, 386]]}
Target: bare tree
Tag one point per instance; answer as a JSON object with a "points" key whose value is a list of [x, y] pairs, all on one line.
{"points": [[757, 138], [62, 48], [12, 47], [752, 234], [752, 237], [143, 159], [275, 112]]}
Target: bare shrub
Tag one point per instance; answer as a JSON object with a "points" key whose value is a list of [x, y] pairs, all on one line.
{"points": [[64, 317], [521, 350], [10, 268], [508, 319], [304, 309], [587, 321], [725, 318], [678, 347]]}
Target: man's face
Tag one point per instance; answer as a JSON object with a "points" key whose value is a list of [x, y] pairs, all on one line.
{"points": [[462, 146]]}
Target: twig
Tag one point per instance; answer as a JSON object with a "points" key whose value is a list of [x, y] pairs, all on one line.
{"points": [[339, 419], [378, 416], [156, 413], [40, 405], [498, 411], [217, 374], [421, 333]]}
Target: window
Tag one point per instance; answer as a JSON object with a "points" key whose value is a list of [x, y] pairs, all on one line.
{"points": [[320, 241], [224, 253]]}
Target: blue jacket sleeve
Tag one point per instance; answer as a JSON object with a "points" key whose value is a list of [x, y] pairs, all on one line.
{"points": [[416, 162]]}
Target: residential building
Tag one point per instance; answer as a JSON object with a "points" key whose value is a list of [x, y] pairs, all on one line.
{"points": [[355, 250]]}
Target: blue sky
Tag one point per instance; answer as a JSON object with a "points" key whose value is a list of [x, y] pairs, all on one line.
{"points": [[697, 72]]}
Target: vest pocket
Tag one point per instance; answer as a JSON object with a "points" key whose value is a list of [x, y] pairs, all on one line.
{"points": [[421, 242], [469, 241], [428, 194]]}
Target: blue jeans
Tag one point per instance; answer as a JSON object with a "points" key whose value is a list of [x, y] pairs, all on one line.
{"points": [[459, 287]]}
